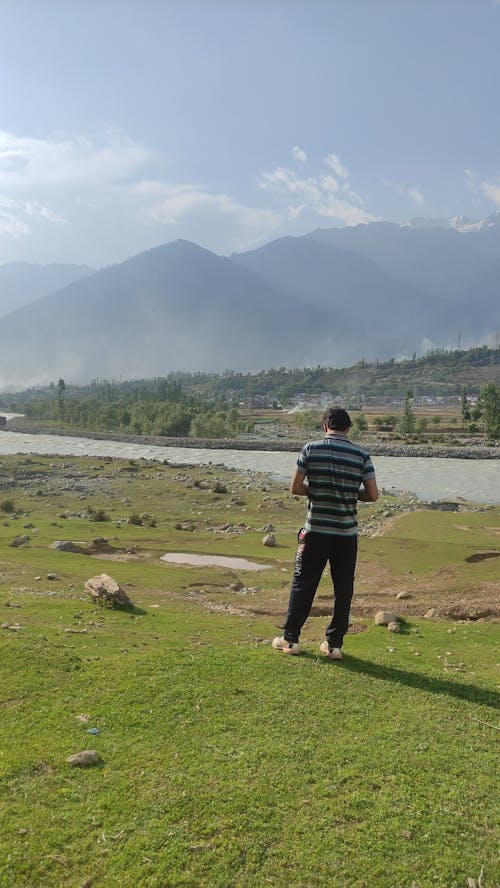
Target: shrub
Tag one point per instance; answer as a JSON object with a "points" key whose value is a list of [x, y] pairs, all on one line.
{"points": [[99, 515], [134, 519], [7, 506]]}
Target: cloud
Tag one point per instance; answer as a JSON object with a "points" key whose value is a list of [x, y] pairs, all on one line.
{"points": [[27, 162], [299, 154], [327, 195], [417, 196], [187, 204], [333, 161], [492, 192]]}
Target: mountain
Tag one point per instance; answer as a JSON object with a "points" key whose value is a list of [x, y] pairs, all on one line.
{"points": [[372, 313], [451, 263], [23, 282], [176, 307], [331, 297]]}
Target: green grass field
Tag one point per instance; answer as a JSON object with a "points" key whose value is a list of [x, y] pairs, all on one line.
{"points": [[225, 763]]}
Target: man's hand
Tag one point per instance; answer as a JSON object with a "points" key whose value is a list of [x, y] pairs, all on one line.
{"points": [[369, 492], [297, 485]]}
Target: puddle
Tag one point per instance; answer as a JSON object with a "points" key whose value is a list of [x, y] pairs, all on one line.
{"points": [[212, 561]]}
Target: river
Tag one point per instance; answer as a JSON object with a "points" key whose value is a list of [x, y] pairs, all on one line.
{"points": [[426, 477]]}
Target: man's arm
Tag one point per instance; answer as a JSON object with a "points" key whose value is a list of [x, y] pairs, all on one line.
{"points": [[298, 485], [369, 492]]}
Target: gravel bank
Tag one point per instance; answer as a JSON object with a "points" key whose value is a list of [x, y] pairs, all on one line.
{"points": [[376, 448]]}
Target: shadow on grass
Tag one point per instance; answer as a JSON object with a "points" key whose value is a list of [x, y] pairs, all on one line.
{"points": [[469, 692]]}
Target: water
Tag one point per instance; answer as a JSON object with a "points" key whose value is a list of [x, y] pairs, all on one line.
{"points": [[428, 478], [212, 561]]}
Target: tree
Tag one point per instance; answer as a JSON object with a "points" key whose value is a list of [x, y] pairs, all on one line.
{"points": [[465, 407], [406, 424], [61, 387], [490, 405]]}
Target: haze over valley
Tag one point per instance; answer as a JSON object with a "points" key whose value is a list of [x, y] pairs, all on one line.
{"points": [[331, 297]]}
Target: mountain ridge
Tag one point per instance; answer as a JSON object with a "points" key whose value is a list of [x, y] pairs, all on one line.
{"points": [[330, 297]]}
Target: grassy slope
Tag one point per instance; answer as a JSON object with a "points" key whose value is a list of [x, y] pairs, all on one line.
{"points": [[225, 763]]}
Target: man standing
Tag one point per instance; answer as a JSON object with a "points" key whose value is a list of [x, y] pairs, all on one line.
{"points": [[333, 474]]}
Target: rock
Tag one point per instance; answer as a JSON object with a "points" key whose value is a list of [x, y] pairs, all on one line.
{"points": [[107, 591], [433, 613], [383, 618], [393, 626], [68, 546], [53, 576], [403, 594], [270, 540], [20, 541], [268, 528], [84, 759]]}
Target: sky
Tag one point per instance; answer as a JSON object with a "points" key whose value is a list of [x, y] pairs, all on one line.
{"points": [[125, 124]]}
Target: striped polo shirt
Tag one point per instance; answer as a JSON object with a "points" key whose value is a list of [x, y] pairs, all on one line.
{"points": [[335, 468]]}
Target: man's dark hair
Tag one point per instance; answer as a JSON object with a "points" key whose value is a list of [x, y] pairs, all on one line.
{"points": [[337, 419]]}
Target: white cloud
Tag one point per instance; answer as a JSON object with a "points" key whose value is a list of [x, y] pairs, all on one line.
{"points": [[492, 192], [333, 161], [417, 196], [28, 162], [319, 194], [330, 183], [299, 154]]}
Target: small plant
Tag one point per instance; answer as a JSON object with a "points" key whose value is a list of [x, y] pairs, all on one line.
{"points": [[7, 506], [99, 515], [219, 487], [135, 519]]}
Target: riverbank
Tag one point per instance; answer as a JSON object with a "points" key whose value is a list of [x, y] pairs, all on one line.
{"points": [[255, 443]]}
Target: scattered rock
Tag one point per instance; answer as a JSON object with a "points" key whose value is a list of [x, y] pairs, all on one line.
{"points": [[107, 591], [84, 759], [393, 626], [270, 540], [403, 594], [53, 576], [13, 626], [383, 618], [20, 541], [433, 613], [268, 528]]}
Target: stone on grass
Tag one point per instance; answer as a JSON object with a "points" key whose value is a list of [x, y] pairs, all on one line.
{"points": [[393, 626], [383, 618], [84, 759], [53, 576], [20, 541], [105, 590], [270, 540], [403, 594], [433, 613]]}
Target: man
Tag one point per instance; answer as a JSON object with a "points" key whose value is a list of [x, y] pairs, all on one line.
{"points": [[333, 474]]}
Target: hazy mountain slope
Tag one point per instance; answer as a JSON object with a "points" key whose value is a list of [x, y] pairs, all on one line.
{"points": [[23, 282], [450, 264], [175, 307], [372, 313]]}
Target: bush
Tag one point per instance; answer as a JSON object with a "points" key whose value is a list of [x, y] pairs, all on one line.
{"points": [[99, 515], [7, 506], [134, 519]]}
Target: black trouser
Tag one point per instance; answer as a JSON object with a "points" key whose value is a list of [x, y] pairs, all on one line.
{"points": [[313, 552]]}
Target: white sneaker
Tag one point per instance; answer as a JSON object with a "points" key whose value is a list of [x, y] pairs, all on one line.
{"points": [[288, 647], [331, 653]]}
